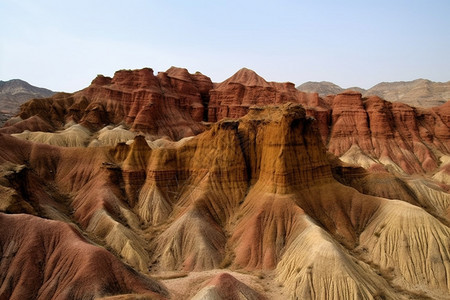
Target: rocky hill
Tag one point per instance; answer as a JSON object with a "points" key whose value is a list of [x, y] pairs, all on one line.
{"points": [[418, 93], [248, 189], [15, 92], [325, 88]]}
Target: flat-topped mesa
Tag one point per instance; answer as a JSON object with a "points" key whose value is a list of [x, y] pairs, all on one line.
{"points": [[278, 148], [283, 149], [273, 150], [135, 79], [350, 122], [215, 151], [233, 97]]}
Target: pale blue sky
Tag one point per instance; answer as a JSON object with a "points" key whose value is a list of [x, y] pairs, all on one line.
{"points": [[63, 45]]}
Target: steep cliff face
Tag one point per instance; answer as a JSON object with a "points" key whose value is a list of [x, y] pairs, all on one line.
{"points": [[400, 137], [257, 194], [233, 97], [309, 198], [395, 135], [171, 103], [174, 103]]}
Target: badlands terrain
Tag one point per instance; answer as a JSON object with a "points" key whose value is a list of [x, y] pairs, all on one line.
{"points": [[170, 186]]}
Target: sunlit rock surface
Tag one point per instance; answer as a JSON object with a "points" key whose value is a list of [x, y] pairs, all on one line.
{"points": [[260, 194]]}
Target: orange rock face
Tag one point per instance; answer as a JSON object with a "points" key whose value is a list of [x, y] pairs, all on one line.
{"points": [[174, 103], [396, 132], [233, 97], [256, 191]]}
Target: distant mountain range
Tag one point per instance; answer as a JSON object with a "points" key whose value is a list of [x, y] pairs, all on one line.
{"points": [[324, 88], [420, 92], [15, 92]]}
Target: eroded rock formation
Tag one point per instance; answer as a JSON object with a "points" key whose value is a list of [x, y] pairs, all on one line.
{"points": [[44, 259], [261, 192], [171, 103], [174, 104], [257, 193]]}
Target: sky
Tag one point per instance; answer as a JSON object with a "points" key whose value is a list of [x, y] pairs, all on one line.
{"points": [[63, 45]]}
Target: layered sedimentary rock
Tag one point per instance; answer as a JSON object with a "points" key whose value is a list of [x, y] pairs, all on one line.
{"points": [[257, 194], [400, 137], [174, 103], [233, 97], [34, 123], [43, 259], [171, 103], [261, 191]]}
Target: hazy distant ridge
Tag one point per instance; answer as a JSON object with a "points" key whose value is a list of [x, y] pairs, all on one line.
{"points": [[324, 88], [420, 92], [15, 92]]}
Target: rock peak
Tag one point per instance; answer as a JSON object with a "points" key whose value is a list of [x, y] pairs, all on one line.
{"points": [[179, 73], [247, 77]]}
